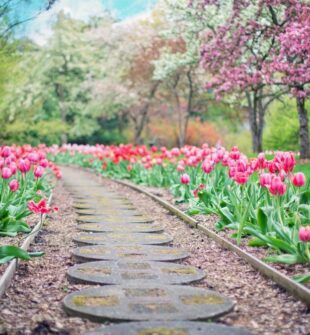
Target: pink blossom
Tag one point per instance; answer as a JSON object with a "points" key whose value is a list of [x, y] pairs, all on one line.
{"points": [[14, 185], [6, 173], [277, 187], [185, 179], [304, 234], [299, 179]]}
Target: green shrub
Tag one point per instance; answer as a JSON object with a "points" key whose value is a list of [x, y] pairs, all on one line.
{"points": [[282, 127]]}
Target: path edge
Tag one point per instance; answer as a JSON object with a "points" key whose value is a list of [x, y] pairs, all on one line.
{"points": [[297, 290], [8, 275]]}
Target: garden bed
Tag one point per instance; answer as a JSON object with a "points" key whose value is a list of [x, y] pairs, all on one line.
{"points": [[227, 273]]}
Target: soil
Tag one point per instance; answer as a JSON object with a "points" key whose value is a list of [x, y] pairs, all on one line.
{"points": [[33, 303]]}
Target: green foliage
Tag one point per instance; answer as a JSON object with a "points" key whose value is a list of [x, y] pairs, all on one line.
{"points": [[34, 133], [241, 139], [282, 130]]}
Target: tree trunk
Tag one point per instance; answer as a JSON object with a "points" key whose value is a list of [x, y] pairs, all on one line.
{"points": [[303, 128], [256, 115], [142, 118], [63, 114]]}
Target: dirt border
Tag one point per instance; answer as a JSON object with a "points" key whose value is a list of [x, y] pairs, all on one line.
{"points": [[8, 275]]}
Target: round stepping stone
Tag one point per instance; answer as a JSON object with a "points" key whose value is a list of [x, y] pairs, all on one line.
{"points": [[119, 238], [132, 228], [101, 211], [126, 272], [111, 208], [101, 198], [151, 302], [128, 253], [112, 219], [169, 328]]}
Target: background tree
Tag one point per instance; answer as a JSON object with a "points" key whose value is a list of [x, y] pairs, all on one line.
{"points": [[238, 52]]}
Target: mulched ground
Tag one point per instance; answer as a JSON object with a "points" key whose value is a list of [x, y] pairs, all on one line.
{"points": [[33, 304]]}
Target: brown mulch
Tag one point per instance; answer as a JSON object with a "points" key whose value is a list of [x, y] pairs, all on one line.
{"points": [[33, 304]]}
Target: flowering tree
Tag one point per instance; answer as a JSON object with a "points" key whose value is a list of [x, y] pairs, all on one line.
{"points": [[178, 64], [241, 53], [292, 61]]}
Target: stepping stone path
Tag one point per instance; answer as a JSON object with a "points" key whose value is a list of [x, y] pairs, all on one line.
{"points": [[122, 253], [168, 328], [128, 252], [125, 272], [132, 228], [119, 237]]}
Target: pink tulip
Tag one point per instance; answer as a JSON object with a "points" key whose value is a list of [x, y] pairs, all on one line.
{"points": [[6, 173], [304, 234], [24, 165], [38, 172], [299, 179], [277, 187], [241, 178], [234, 153], [265, 179], [44, 162], [14, 185], [207, 166], [180, 167], [33, 157], [185, 179], [6, 152], [261, 161]]}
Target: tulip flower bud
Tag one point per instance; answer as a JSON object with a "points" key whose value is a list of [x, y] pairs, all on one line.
{"points": [[14, 185], [185, 179], [6, 152], [44, 162], [207, 166], [265, 179], [299, 179], [33, 157], [38, 172], [241, 178], [6, 173], [180, 167], [24, 165], [304, 234], [277, 186]]}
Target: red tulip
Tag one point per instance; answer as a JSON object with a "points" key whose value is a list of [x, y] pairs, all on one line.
{"points": [[299, 179], [40, 207], [241, 178]]}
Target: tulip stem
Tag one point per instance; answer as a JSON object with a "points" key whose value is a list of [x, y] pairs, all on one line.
{"points": [[279, 211]]}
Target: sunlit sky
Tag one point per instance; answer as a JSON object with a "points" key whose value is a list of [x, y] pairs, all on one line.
{"points": [[40, 29]]}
